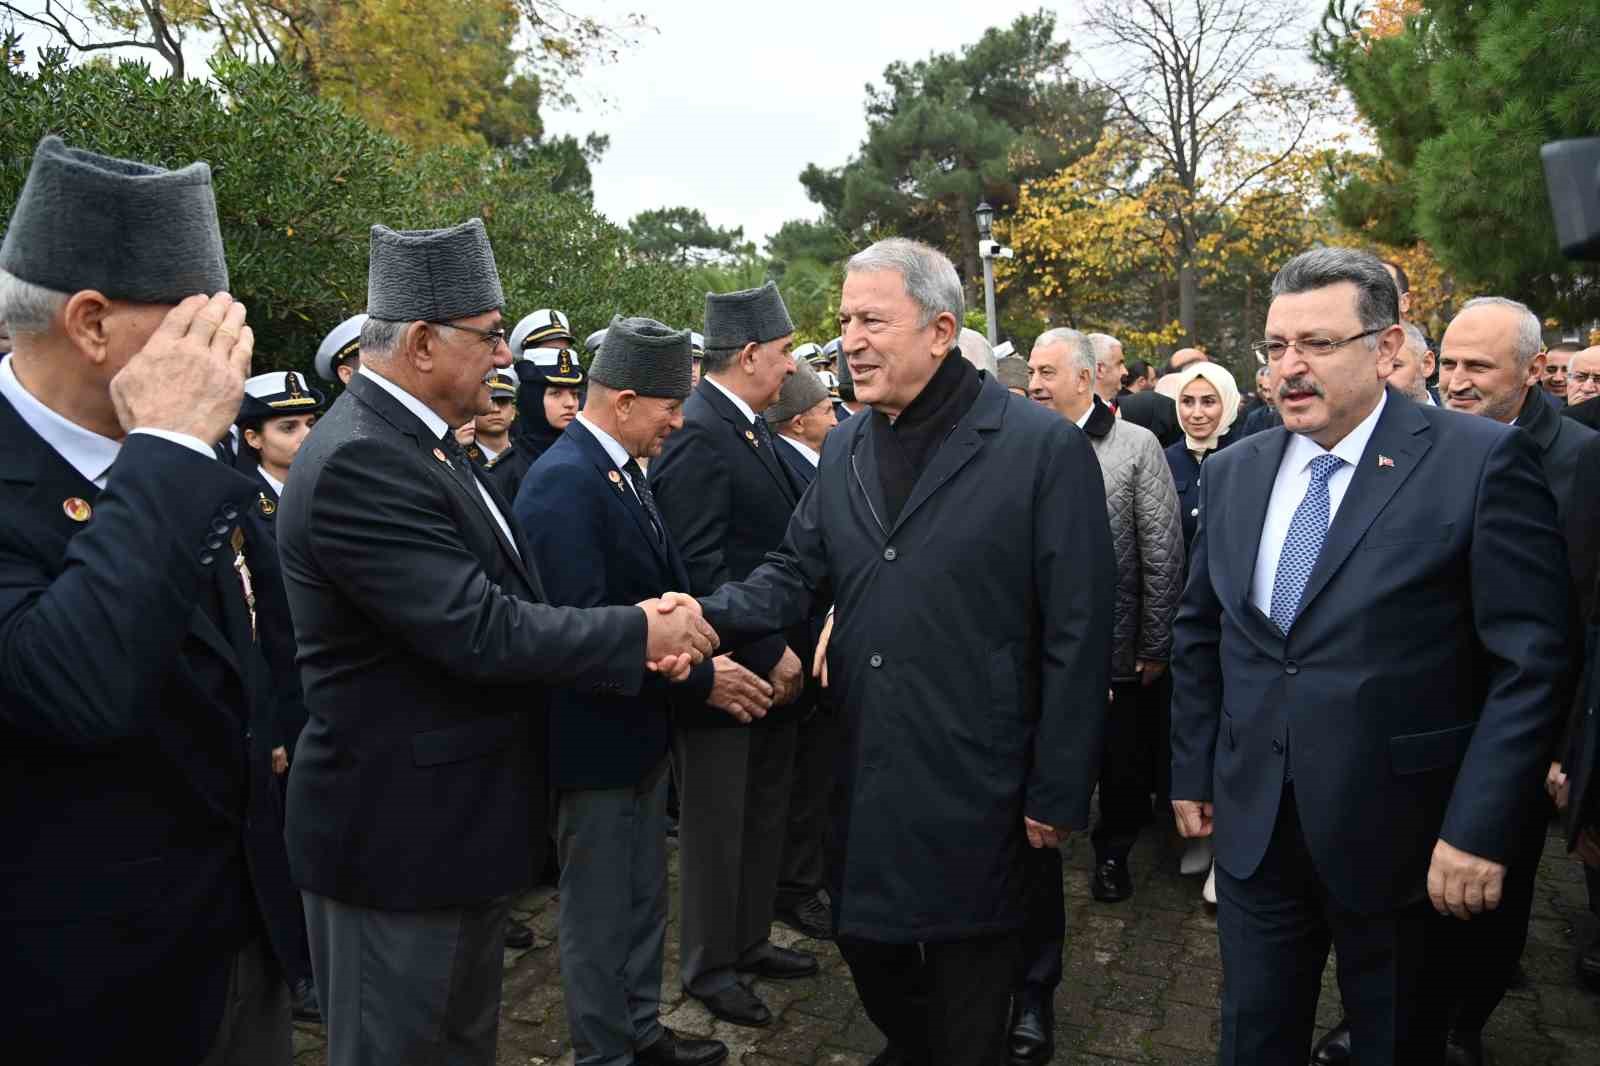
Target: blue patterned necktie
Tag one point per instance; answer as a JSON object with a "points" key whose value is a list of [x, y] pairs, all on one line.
{"points": [[1307, 530]]}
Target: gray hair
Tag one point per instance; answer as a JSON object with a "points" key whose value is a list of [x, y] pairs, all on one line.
{"points": [[1081, 347], [975, 347], [380, 336], [716, 360], [26, 307], [930, 278], [1529, 338], [1102, 344], [1415, 339], [1377, 302]]}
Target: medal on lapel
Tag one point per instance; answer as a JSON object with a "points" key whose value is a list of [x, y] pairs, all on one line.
{"points": [[438, 453], [616, 480], [750, 435], [241, 568], [76, 508]]}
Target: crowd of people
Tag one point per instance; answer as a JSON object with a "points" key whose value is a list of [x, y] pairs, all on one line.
{"points": [[299, 696]]}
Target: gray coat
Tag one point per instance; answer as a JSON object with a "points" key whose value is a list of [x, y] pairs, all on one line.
{"points": [[969, 660], [1147, 534]]}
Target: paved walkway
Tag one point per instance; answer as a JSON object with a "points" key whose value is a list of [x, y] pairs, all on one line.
{"points": [[1142, 983]]}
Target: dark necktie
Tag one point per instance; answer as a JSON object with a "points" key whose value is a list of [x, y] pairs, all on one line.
{"points": [[763, 435], [647, 498]]}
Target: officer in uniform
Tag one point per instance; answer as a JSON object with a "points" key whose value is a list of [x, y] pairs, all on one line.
{"points": [[278, 411], [339, 354], [697, 352], [551, 388]]}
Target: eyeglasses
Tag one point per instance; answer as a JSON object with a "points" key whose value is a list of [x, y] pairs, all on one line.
{"points": [[1311, 347], [494, 338], [1583, 377]]}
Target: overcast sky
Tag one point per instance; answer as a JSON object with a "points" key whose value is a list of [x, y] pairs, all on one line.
{"points": [[724, 103]]}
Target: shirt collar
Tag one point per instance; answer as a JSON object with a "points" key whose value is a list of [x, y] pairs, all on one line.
{"points": [[87, 452], [1083, 419], [488, 452], [744, 408], [616, 452], [804, 449], [1350, 449], [274, 483], [434, 423]]}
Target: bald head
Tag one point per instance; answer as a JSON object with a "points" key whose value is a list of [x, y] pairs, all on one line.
{"points": [[1489, 358], [1185, 356]]}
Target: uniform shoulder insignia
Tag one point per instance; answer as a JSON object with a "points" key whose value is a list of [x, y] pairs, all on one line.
{"points": [[267, 506]]}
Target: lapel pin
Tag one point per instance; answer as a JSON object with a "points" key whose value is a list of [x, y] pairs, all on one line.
{"points": [[267, 506], [750, 435], [439, 455], [616, 480], [76, 508], [1385, 462]]}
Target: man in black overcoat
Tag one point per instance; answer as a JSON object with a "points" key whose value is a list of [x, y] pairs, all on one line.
{"points": [[726, 498], [960, 534], [426, 645], [145, 898]]}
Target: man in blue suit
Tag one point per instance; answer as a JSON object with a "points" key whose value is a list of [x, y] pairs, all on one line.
{"points": [[1365, 671], [592, 526]]}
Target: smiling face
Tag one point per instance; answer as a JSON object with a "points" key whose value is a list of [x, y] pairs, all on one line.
{"points": [[457, 364], [1555, 371], [1199, 409], [1325, 396], [892, 353], [1478, 371], [1057, 381], [645, 422]]}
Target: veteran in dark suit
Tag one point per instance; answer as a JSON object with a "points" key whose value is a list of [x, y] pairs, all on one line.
{"points": [[426, 644], [591, 524], [1366, 663], [144, 891], [960, 534], [726, 498]]}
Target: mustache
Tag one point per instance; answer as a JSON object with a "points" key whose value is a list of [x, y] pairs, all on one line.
{"points": [[1299, 384]]}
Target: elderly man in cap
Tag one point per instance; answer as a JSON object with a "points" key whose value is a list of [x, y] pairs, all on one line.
{"points": [[802, 419], [339, 355], [593, 527], [726, 497], [972, 698], [146, 891], [426, 647]]}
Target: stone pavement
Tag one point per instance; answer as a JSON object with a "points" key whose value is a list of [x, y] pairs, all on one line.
{"points": [[1141, 986]]}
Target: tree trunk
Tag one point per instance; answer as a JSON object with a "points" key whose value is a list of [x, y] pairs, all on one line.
{"points": [[1188, 291], [970, 265]]}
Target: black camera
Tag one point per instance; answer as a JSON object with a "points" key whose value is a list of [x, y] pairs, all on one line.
{"points": [[1572, 176]]}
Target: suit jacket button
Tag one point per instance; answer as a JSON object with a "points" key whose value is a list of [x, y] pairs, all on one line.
{"points": [[1291, 667], [876, 660], [889, 554], [230, 512], [205, 559], [1277, 747]]}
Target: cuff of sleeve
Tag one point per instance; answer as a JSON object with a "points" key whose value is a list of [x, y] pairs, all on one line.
{"points": [[192, 443]]}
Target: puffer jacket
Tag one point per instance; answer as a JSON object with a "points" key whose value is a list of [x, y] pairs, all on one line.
{"points": [[1147, 534]]}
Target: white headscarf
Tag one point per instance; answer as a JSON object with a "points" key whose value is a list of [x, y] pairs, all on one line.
{"points": [[1227, 392]]}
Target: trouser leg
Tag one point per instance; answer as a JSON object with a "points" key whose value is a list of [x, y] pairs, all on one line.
{"points": [[1043, 939], [1124, 777]]}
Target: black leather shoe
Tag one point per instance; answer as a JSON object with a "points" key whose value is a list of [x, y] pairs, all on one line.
{"points": [[738, 1006], [674, 1050], [811, 916], [1465, 1049], [1033, 1031], [1333, 1049], [305, 1008], [518, 936], [779, 964], [1111, 883]]}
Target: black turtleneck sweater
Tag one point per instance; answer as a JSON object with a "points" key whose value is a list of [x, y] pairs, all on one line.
{"points": [[907, 445]]}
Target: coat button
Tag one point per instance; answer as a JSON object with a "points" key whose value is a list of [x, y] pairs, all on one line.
{"points": [[876, 660], [1291, 667], [889, 554], [219, 527], [205, 560], [1277, 747], [214, 543], [1195, 513], [230, 512]]}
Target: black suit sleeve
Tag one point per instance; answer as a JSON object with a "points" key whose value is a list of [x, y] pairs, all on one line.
{"points": [[695, 496], [390, 544], [1197, 669], [1074, 571], [84, 655], [784, 591], [1520, 587]]}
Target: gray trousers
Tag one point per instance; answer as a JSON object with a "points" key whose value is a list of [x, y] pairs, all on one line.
{"points": [[411, 987], [256, 1026], [733, 795], [613, 923]]}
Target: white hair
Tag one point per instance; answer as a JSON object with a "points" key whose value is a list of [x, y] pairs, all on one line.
{"points": [[975, 346], [930, 278], [1529, 338], [1415, 339], [26, 307], [380, 336], [1080, 346], [1103, 343]]}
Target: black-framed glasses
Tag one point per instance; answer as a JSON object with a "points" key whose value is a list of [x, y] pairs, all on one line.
{"points": [[493, 337], [1311, 347]]}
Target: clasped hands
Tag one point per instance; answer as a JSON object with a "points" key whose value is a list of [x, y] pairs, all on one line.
{"points": [[677, 636]]}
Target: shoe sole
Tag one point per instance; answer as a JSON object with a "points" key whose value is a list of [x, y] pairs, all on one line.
{"points": [[731, 1020]]}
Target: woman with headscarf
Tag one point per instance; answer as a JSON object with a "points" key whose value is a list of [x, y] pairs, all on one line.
{"points": [[1208, 404], [549, 394]]}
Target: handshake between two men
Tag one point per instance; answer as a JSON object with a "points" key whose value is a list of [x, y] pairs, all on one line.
{"points": [[677, 638]]}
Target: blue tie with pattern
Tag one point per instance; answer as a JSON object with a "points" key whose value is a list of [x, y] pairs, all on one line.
{"points": [[1307, 530]]}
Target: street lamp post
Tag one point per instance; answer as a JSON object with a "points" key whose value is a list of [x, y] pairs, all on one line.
{"points": [[985, 215]]}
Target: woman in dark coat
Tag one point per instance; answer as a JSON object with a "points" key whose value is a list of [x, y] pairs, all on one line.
{"points": [[549, 394], [1208, 404]]}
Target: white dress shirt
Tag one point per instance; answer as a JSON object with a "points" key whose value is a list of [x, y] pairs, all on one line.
{"points": [[744, 408], [488, 452], [614, 451], [804, 449], [277, 486], [1289, 488], [86, 451], [439, 428]]}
